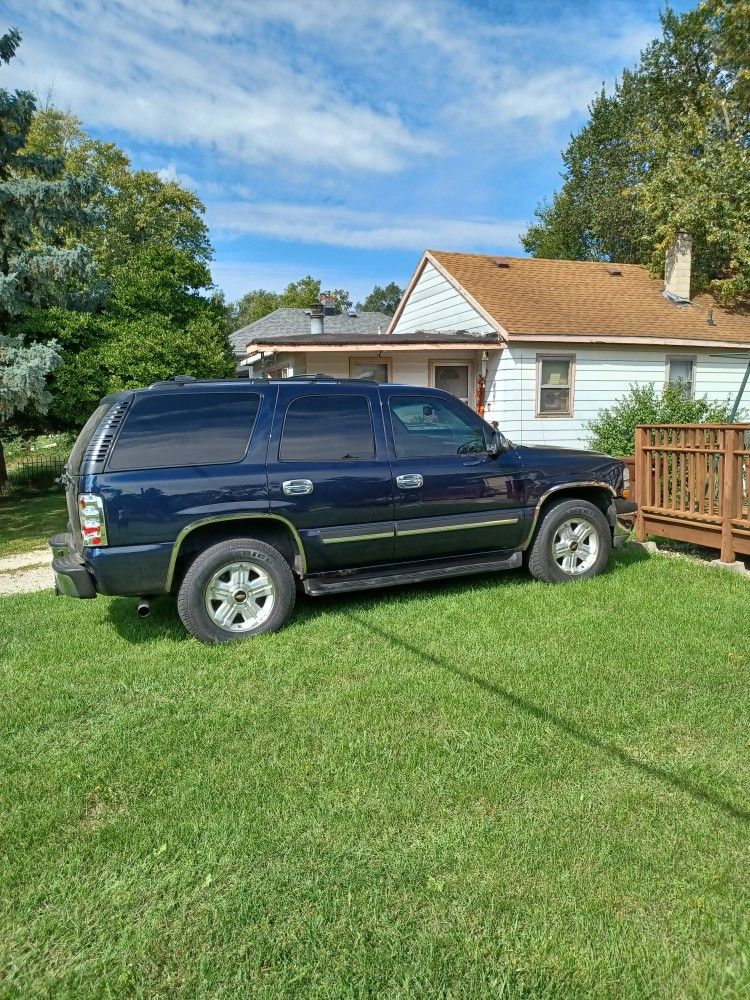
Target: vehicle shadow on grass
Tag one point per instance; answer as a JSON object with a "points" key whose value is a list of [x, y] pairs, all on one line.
{"points": [[308, 608], [163, 622], [541, 714]]}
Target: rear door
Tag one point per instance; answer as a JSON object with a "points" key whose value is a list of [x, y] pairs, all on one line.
{"points": [[328, 473], [451, 495]]}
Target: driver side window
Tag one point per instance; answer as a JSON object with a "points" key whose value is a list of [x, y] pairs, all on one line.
{"points": [[424, 427]]}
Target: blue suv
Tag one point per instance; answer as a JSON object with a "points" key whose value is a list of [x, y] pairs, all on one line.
{"points": [[232, 495]]}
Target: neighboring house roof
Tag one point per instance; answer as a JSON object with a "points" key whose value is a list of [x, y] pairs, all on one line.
{"points": [[532, 298], [293, 325]]}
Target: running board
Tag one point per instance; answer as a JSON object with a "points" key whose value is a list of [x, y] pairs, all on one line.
{"points": [[317, 586]]}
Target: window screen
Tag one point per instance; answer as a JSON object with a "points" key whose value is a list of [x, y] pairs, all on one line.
{"points": [[423, 427], [171, 430], [327, 429], [681, 371], [555, 386]]}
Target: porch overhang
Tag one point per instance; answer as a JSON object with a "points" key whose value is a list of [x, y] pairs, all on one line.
{"points": [[384, 344]]}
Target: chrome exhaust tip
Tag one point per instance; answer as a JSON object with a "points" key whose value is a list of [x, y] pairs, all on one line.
{"points": [[144, 607]]}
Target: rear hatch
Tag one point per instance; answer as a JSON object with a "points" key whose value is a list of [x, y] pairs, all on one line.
{"points": [[90, 451]]}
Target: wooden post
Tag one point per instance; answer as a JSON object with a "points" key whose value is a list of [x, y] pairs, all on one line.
{"points": [[731, 445], [640, 490]]}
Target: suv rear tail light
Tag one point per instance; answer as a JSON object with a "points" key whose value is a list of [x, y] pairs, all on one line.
{"points": [[93, 525]]}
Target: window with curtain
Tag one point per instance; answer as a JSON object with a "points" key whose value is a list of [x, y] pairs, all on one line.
{"points": [[369, 368], [555, 385]]}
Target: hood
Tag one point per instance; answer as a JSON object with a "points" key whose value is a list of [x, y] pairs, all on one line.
{"points": [[572, 465], [560, 452]]}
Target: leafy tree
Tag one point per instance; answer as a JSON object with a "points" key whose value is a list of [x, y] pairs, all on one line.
{"points": [[23, 386], [42, 265], [383, 300], [301, 294], [613, 430], [729, 21], [297, 295], [669, 149], [252, 306], [307, 292]]}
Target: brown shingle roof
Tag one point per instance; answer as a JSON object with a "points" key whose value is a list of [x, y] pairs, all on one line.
{"points": [[580, 298]]}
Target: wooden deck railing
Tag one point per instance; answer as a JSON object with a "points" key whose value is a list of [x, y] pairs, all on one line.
{"points": [[692, 483]]}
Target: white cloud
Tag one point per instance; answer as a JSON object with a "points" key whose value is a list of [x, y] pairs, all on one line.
{"points": [[334, 84], [169, 172], [154, 74], [344, 227]]}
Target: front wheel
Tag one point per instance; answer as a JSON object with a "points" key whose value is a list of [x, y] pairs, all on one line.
{"points": [[573, 542], [234, 590]]}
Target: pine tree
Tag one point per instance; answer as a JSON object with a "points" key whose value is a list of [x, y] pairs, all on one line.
{"points": [[40, 266], [23, 382]]}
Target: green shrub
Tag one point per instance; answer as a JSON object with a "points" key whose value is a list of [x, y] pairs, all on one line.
{"points": [[613, 431]]}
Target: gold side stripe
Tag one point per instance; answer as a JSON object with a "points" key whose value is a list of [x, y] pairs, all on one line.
{"points": [[357, 538], [456, 527]]}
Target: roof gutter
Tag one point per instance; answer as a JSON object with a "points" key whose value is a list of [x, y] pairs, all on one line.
{"points": [[546, 338], [252, 360]]}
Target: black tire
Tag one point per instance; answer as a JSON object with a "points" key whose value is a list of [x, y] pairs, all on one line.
{"points": [[544, 565], [264, 567]]}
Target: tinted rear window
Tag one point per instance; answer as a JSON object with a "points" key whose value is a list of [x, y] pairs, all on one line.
{"points": [[327, 429], [181, 429]]}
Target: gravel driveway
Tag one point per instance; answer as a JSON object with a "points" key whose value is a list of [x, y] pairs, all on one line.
{"points": [[26, 573]]}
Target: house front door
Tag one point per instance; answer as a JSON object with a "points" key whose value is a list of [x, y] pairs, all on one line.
{"points": [[456, 378]]}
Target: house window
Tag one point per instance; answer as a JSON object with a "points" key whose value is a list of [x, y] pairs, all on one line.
{"points": [[374, 369], [555, 375], [681, 371], [453, 378]]}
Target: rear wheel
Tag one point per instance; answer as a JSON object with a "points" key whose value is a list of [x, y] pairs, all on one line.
{"points": [[573, 542], [235, 590]]}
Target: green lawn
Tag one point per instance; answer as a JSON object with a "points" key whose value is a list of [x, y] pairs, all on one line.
{"points": [[26, 523], [489, 788]]}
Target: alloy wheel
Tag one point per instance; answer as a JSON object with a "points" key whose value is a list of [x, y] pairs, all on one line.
{"points": [[575, 546], [240, 596]]}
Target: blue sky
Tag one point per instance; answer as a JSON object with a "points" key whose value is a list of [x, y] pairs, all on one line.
{"points": [[336, 138]]}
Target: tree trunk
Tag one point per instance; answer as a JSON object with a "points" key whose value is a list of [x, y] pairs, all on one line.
{"points": [[3, 468]]}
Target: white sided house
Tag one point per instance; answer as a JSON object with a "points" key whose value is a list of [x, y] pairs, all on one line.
{"points": [[540, 346]]}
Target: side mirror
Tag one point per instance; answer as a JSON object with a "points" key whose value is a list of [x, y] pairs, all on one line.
{"points": [[498, 443]]}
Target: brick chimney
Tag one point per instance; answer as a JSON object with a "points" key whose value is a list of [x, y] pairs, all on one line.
{"points": [[677, 268], [329, 304]]}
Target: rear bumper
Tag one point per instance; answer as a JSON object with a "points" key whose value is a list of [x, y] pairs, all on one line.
{"points": [[126, 570], [72, 577], [620, 508]]}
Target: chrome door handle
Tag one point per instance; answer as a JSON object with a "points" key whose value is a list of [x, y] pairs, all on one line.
{"points": [[297, 487], [410, 482]]}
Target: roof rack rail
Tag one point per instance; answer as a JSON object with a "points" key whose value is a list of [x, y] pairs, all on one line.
{"points": [[175, 380], [320, 377]]}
